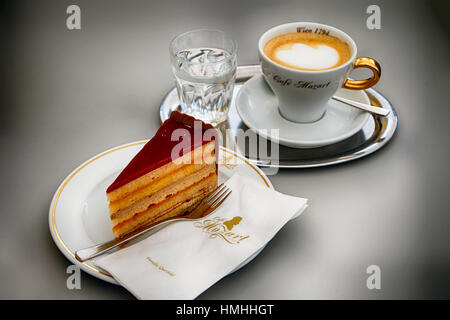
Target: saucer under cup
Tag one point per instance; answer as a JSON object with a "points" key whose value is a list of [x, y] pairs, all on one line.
{"points": [[258, 108]]}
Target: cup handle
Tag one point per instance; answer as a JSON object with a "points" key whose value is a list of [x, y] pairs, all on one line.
{"points": [[364, 62]]}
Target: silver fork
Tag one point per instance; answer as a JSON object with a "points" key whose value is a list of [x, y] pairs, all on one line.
{"points": [[202, 210]]}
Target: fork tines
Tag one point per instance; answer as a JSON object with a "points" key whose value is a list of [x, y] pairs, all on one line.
{"points": [[218, 196], [211, 202]]}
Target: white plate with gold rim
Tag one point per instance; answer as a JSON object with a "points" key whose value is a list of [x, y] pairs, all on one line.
{"points": [[79, 215]]}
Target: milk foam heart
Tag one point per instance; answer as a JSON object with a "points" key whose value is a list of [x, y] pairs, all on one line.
{"points": [[308, 51], [307, 57]]}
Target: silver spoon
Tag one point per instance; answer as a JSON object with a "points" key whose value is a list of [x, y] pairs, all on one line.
{"points": [[366, 107], [249, 72]]}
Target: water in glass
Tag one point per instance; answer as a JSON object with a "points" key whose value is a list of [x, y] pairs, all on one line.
{"points": [[205, 79]]}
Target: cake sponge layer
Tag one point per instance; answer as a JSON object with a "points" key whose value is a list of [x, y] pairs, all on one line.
{"points": [[204, 154], [173, 205], [181, 184]]}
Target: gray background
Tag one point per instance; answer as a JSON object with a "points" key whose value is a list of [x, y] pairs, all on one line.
{"points": [[68, 95]]}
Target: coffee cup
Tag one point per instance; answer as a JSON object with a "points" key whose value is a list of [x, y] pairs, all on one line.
{"points": [[305, 64]]}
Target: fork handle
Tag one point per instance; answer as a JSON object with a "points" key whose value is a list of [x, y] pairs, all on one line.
{"points": [[201, 211], [94, 251]]}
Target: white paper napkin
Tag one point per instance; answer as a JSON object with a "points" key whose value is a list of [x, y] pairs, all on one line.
{"points": [[187, 257]]}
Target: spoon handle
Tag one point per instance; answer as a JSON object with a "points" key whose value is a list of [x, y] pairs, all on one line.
{"points": [[375, 110]]}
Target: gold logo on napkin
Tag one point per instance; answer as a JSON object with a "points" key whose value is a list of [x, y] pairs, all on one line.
{"points": [[157, 265], [231, 223], [221, 228]]}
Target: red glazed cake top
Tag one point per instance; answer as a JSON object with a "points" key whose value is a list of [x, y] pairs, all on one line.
{"points": [[158, 151]]}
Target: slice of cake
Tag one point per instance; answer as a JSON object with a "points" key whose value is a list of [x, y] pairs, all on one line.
{"points": [[172, 173]]}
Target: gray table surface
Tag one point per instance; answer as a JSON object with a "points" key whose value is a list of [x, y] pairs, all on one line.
{"points": [[68, 95]]}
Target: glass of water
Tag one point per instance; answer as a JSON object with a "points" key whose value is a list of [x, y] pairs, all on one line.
{"points": [[204, 65]]}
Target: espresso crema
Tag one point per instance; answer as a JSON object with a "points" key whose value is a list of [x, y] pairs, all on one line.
{"points": [[307, 51]]}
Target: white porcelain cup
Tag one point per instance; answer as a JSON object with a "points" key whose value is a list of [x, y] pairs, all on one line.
{"points": [[303, 95]]}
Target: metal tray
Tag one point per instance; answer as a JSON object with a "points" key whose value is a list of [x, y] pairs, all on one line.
{"points": [[374, 135]]}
